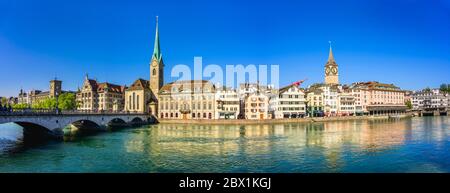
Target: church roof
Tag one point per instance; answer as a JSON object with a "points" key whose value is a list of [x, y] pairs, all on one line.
{"points": [[140, 84], [102, 87]]}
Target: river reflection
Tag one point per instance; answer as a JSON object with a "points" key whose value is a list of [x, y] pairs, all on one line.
{"points": [[406, 145]]}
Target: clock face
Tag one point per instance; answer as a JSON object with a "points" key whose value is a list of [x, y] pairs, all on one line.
{"points": [[334, 70], [327, 71]]}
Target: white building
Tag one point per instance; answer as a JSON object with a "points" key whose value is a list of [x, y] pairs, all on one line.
{"points": [[227, 104], [331, 93], [429, 99], [289, 103], [346, 104]]}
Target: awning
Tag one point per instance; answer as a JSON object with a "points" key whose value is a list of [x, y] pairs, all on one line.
{"points": [[386, 108]]}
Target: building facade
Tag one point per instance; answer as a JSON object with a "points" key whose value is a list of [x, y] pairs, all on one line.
{"points": [[429, 99], [257, 106], [94, 96], [188, 99], [37, 96], [138, 97], [227, 104], [315, 102], [346, 104], [379, 98], [23, 98], [289, 103]]}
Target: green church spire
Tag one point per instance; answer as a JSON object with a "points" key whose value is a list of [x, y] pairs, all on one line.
{"points": [[156, 50]]}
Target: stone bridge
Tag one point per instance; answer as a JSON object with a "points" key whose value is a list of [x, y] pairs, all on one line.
{"points": [[39, 125]]}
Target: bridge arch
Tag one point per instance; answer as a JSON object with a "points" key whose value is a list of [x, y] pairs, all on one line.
{"points": [[86, 125], [117, 123], [137, 121], [34, 133]]}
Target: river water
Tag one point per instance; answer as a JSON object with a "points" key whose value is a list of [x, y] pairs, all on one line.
{"points": [[420, 144]]}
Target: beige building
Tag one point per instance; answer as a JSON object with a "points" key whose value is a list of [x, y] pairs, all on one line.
{"points": [[257, 106], [315, 101], [187, 99], [138, 97], [379, 98], [105, 96], [36, 96]]}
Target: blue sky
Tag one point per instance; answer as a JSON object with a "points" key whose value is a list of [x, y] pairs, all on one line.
{"points": [[405, 42]]}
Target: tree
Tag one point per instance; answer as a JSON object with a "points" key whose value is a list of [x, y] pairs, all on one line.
{"points": [[4, 100], [409, 104], [444, 88], [67, 101], [49, 103], [20, 106]]}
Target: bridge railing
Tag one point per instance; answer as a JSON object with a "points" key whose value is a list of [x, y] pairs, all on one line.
{"points": [[38, 112]]}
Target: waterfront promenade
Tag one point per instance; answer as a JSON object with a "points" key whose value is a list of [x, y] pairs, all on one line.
{"points": [[269, 121]]}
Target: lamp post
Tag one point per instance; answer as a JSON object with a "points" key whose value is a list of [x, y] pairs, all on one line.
{"points": [[56, 96]]}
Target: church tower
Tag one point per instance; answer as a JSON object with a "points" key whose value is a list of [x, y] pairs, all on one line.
{"points": [[331, 70], [156, 66], [55, 88]]}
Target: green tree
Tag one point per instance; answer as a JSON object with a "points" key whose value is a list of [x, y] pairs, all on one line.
{"points": [[67, 101], [4, 100], [444, 88], [409, 104], [428, 89], [20, 106], [49, 103]]}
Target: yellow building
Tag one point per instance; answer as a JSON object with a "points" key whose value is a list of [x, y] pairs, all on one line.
{"points": [[138, 97], [94, 96], [189, 99]]}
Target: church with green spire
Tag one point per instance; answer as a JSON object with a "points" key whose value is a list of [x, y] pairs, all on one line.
{"points": [[156, 66], [142, 95]]}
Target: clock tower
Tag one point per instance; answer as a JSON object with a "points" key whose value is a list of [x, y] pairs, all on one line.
{"points": [[331, 70], [156, 66]]}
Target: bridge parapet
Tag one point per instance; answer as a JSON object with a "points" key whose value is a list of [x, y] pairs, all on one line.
{"points": [[46, 112]]}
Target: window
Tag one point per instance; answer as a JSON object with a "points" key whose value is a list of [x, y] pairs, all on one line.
{"points": [[129, 102], [154, 72], [134, 100], [137, 100]]}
